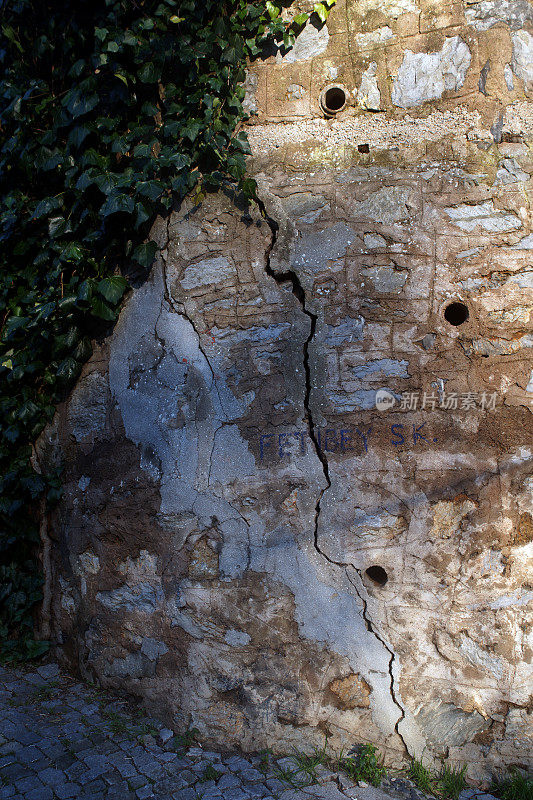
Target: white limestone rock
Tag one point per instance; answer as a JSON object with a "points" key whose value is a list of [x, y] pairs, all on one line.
{"points": [[392, 8], [483, 15], [484, 216], [368, 95], [377, 37], [426, 76], [310, 43], [522, 61]]}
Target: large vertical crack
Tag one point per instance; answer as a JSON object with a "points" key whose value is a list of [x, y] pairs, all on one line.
{"points": [[290, 277]]}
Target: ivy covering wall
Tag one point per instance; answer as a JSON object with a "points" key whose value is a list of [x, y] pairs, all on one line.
{"points": [[110, 113]]}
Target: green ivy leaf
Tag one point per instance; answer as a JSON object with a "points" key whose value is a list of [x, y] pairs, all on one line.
{"points": [[321, 10], [149, 73], [112, 288], [144, 254], [46, 206], [14, 323], [68, 369], [117, 203], [273, 11], [79, 104], [102, 310]]}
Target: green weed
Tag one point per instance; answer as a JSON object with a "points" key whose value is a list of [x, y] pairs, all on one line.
{"points": [[209, 774], [514, 786], [264, 760], [46, 691], [451, 781], [182, 741], [305, 771], [365, 765], [421, 776], [293, 777]]}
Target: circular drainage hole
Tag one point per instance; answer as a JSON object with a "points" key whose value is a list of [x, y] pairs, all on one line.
{"points": [[333, 99], [377, 574], [456, 313]]}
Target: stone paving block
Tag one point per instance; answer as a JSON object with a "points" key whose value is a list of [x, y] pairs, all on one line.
{"points": [[80, 745], [181, 763], [34, 678], [257, 790], [6, 792], [329, 792], [167, 757], [65, 761], [145, 792], [153, 769], [287, 762], [137, 781], [52, 776], [187, 775], [120, 792], [236, 793], [236, 763], [291, 794], [275, 785], [48, 671], [14, 772], [228, 781], [185, 794], [51, 750], [96, 763], [95, 786], [29, 755], [251, 774], [211, 794], [76, 771], [45, 793], [67, 790]]}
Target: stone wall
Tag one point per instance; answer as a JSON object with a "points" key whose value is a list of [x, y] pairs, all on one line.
{"points": [[248, 541]]}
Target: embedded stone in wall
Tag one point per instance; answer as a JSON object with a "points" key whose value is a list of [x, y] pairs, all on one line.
{"points": [[426, 76], [522, 61], [377, 37], [368, 94], [310, 43], [391, 8], [483, 14]]}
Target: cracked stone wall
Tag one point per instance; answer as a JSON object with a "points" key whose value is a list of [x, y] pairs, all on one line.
{"points": [[298, 499]]}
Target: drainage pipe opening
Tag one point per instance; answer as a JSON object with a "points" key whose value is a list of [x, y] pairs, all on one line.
{"points": [[377, 574], [456, 313], [332, 100]]}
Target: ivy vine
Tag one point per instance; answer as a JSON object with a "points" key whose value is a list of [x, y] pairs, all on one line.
{"points": [[110, 113]]}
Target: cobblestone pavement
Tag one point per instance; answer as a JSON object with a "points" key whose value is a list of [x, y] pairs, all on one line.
{"points": [[60, 739]]}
